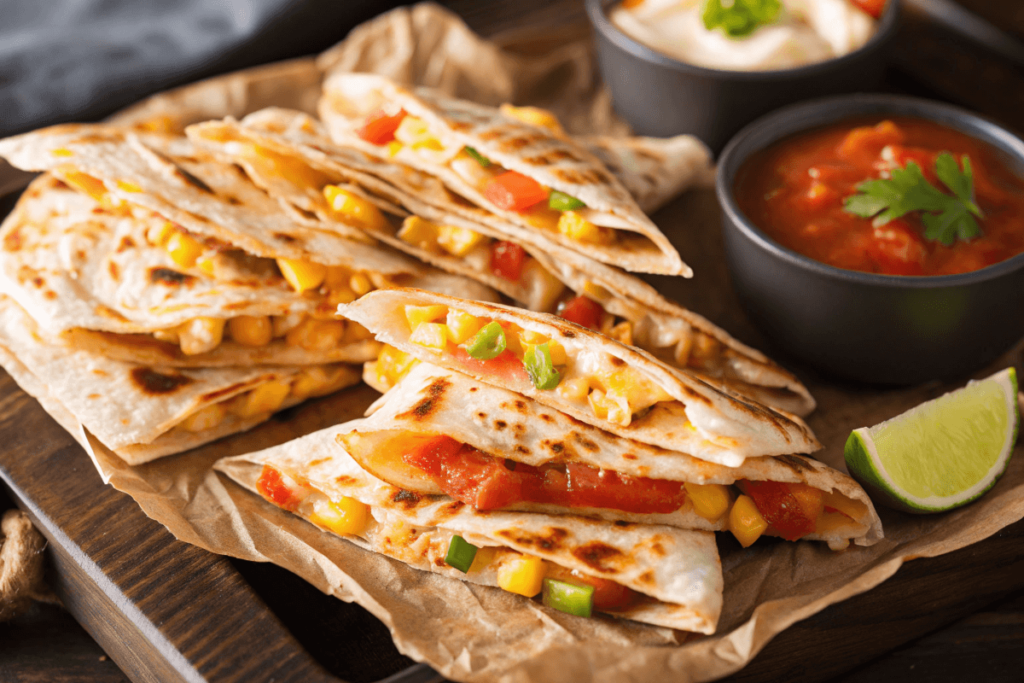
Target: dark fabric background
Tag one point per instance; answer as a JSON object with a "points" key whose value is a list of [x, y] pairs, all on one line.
{"points": [[80, 60]]}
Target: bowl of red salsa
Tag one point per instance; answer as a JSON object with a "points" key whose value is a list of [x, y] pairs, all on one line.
{"points": [[879, 238]]}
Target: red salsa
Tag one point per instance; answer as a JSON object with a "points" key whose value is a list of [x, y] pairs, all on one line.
{"points": [[797, 192]]}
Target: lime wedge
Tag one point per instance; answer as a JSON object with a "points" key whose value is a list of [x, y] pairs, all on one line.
{"points": [[943, 453]]}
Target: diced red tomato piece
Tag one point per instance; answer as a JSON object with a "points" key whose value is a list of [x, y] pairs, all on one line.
{"points": [[514, 191], [608, 595], [583, 311], [791, 516], [872, 7], [507, 259], [380, 128], [503, 366], [271, 485], [466, 474], [867, 142], [897, 249], [592, 487]]}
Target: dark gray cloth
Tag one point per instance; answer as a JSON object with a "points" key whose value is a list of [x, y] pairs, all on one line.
{"points": [[80, 60]]}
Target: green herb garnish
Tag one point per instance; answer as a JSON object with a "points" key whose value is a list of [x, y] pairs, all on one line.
{"points": [[540, 368], [738, 18], [946, 217], [488, 343], [460, 554], [568, 597], [478, 157], [560, 201]]}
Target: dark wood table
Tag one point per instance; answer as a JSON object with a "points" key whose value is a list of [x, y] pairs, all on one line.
{"points": [[958, 635]]}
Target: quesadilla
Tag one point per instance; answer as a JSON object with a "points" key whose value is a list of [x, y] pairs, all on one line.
{"points": [[142, 412], [286, 154], [590, 377], [652, 574], [544, 189], [440, 432]]}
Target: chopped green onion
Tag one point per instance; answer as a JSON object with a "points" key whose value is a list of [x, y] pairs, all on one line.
{"points": [[488, 343], [478, 157], [540, 368], [568, 597], [560, 201], [460, 554]]}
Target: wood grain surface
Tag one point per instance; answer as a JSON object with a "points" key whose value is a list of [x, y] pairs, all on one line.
{"points": [[165, 611]]}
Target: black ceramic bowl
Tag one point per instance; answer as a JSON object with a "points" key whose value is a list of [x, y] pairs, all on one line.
{"points": [[661, 96], [862, 326]]}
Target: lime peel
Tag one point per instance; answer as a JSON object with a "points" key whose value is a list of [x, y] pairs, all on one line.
{"points": [[942, 454]]}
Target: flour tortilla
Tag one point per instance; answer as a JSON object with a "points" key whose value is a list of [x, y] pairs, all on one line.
{"points": [[132, 409], [708, 422], [431, 401], [552, 161], [294, 139], [678, 570]]}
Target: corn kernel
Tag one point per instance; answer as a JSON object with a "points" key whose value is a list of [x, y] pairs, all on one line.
{"points": [[419, 231], [200, 335], [710, 501], [461, 325], [184, 249], [159, 236], [283, 324], [573, 389], [128, 186], [531, 337], [576, 227], [360, 284], [612, 407], [394, 147], [355, 332], [316, 335], [266, 398], [170, 336], [208, 265], [523, 575], [416, 315], [484, 556], [623, 332], [251, 330], [302, 275], [746, 522], [558, 354], [336, 297], [413, 130], [347, 516], [83, 182], [430, 335], [393, 365], [207, 418], [315, 381], [534, 116], [458, 241], [62, 152], [350, 205]]}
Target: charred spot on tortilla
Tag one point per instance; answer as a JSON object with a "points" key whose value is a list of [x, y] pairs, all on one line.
{"points": [[345, 480], [794, 462], [549, 539], [500, 424], [192, 180], [616, 361], [284, 237], [232, 200], [658, 549], [472, 389], [218, 394], [454, 507], [624, 525], [585, 442], [169, 277], [596, 555], [93, 396], [628, 456], [549, 158], [429, 403], [13, 240], [459, 126], [153, 382], [647, 578], [314, 463], [523, 450], [407, 498], [50, 294], [556, 447], [125, 244], [546, 418], [439, 561], [482, 416], [38, 281]]}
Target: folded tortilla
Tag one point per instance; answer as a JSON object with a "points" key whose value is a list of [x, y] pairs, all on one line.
{"points": [[601, 382], [142, 412], [286, 154], [431, 402], [349, 99], [677, 573]]}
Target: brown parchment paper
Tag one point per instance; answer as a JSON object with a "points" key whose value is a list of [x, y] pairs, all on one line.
{"points": [[473, 633]]}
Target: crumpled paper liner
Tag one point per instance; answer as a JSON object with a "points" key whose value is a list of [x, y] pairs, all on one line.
{"points": [[474, 633]]}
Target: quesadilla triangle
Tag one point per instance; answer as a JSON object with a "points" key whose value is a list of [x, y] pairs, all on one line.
{"points": [[552, 189], [142, 413], [590, 377], [656, 575], [441, 432], [125, 282], [286, 154]]}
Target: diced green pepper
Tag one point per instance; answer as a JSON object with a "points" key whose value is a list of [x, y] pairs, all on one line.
{"points": [[560, 201], [540, 368], [478, 157], [488, 343], [460, 554], [568, 597]]}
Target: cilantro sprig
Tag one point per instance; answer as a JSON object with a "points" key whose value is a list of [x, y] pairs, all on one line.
{"points": [[945, 217], [738, 18]]}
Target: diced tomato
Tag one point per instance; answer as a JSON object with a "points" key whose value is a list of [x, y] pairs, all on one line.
{"points": [[867, 142], [897, 249], [514, 191], [507, 259], [592, 487], [380, 128], [466, 474], [504, 366], [788, 514], [872, 7], [272, 487], [608, 595], [583, 311], [924, 158]]}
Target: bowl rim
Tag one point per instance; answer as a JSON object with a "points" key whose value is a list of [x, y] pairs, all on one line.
{"points": [[887, 25], [844, 107]]}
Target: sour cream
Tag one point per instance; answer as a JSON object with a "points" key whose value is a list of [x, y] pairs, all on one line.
{"points": [[805, 32]]}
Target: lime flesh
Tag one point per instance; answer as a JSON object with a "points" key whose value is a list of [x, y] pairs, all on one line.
{"points": [[943, 453]]}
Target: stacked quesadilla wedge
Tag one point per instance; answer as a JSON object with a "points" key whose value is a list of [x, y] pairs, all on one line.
{"points": [[658, 575], [287, 154]]}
